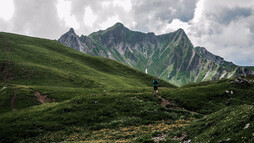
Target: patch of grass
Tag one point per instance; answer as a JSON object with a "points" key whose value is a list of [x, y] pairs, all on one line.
{"points": [[91, 112], [232, 124]]}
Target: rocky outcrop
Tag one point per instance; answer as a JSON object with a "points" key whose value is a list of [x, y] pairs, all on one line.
{"points": [[171, 56]]}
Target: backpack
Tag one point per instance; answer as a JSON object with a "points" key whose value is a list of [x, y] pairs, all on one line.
{"points": [[155, 82]]}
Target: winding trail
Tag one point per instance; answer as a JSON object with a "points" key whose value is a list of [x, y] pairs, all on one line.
{"points": [[13, 99], [165, 102]]}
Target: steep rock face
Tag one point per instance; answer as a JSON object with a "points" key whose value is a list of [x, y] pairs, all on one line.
{"points": [[171, 56], [217, 59], [71, 40]]}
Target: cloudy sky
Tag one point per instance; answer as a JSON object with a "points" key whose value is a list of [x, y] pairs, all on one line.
{"points": [[224, 27]]}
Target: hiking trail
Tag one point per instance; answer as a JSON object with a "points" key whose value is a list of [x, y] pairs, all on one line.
{"points": [[13, 99], [166, 104]]}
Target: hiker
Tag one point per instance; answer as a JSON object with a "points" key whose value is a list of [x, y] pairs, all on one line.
{"points": [[155, 86]]}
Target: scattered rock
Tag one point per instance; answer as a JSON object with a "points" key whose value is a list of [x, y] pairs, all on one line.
{"points": [[161, 137], [180, 138], [224, 141], [229, 92], [247, 126], [188, 141], [240, 82], [228, 102]]}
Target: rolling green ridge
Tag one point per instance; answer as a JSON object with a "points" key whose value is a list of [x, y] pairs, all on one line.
{"points": [[52, 93]]}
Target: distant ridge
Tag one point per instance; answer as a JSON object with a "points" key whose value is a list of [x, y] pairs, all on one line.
{"points": [[171, 56]]}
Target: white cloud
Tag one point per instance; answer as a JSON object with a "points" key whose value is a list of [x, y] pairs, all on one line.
{"points": [[109, 22], [6, 9], [198, 11], [176, 24], [125, 4], [36, 19], [225, 29], [89, 17], [64, 13]]}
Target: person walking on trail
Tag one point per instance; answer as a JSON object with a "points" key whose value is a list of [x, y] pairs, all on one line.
{"points": [[155, 86]]}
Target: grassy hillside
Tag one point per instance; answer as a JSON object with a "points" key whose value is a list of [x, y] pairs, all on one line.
{"points": [[81, 91], [211, 96], [56, 70], [225, 116], [34, 61]]}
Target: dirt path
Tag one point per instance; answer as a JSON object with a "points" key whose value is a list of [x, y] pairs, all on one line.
{"points": [[13, 99], [166, 104], [42, 98]]}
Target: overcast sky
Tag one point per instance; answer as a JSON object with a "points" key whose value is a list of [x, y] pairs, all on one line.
{"points": [[224, 27]]}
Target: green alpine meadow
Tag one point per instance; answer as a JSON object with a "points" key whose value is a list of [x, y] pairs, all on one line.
{"points": [[52, 93]]}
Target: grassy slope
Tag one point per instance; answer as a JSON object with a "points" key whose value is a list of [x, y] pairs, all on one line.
{"points": [[232, 124], [225, 115], [52, 68], [54, 64], [90, 92]]}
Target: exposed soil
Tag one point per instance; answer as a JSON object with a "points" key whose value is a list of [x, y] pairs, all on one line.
{"points": [[42, 98], [166, 103]]}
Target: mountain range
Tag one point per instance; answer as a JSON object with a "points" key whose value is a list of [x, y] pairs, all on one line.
{"points": [[171, 57]]}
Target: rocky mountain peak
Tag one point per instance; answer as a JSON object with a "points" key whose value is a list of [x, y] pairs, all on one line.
{"points": [[71, 31], [118, 24], [118, 27], [181, 32], [70, 39]]}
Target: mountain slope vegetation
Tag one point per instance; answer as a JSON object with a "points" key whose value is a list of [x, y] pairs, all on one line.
{"points": [[46, 87], [170, 57]]}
